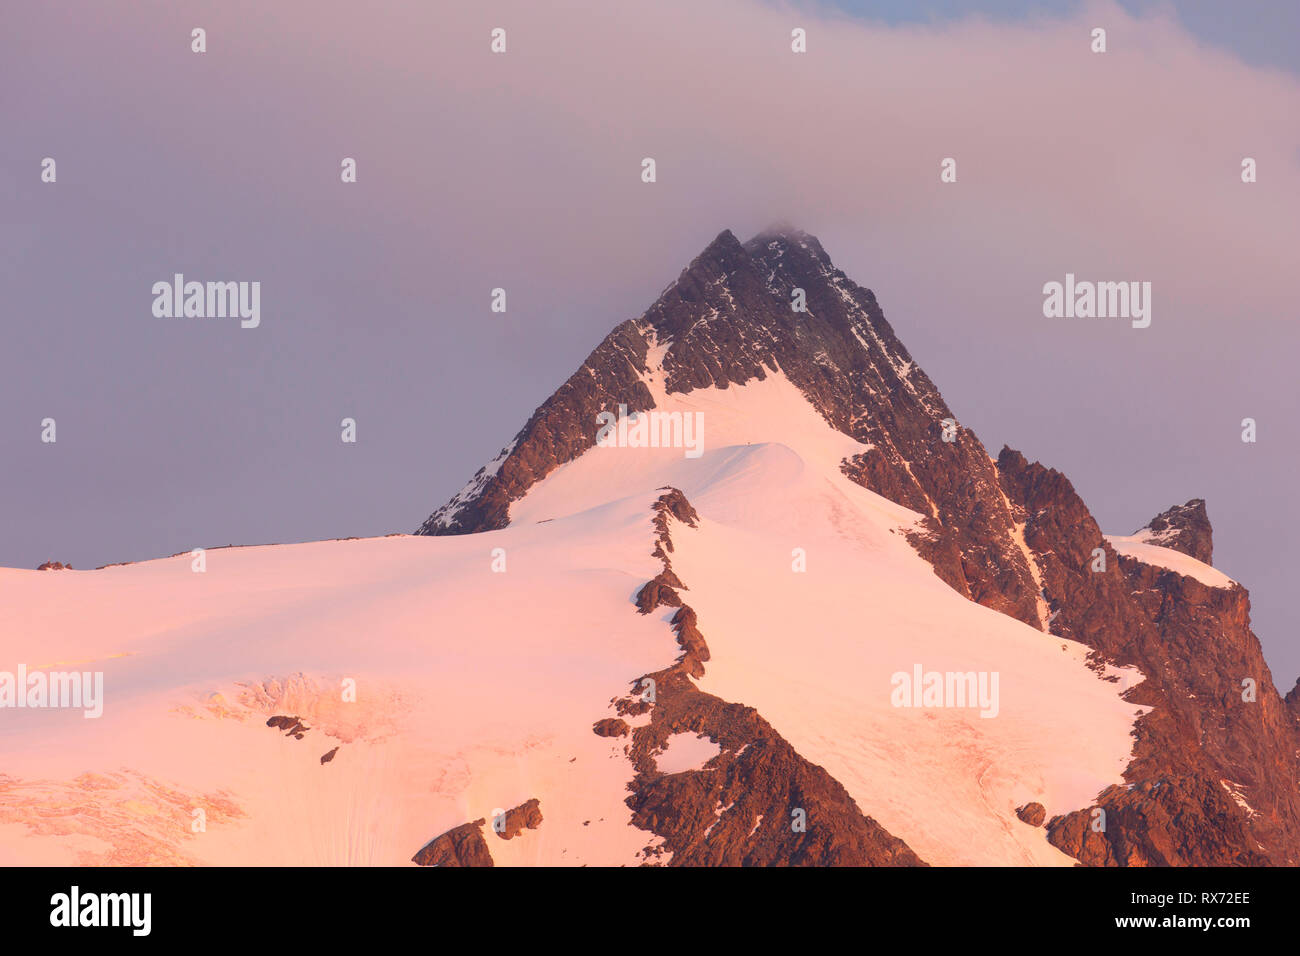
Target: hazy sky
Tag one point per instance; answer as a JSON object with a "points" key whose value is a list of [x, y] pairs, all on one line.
{"points": [[1259, 31], [522, 171]]}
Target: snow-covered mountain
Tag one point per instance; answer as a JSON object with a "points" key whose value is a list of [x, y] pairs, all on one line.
{"points": [[691, 614]]}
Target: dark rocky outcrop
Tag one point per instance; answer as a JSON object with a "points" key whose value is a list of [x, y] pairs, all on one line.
{"points": [[292, 726], [327, 757], [746, 807], [610, 727], [460, 846], [1186, 820], [1184, 528], [1032, 813], [1292, 701], [527, 815], [659, 591], [54, 566]]}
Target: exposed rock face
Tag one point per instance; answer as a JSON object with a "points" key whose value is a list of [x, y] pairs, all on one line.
{"points": [[1202, 743], [1292, 701], [673, 504], [525, 816], [744, 807], [1174, 821], [1184, 528], [465, 845], [1032, 813], [327, 757], [1213, 777], [460, 846], [610, 727], [54, 566], [292, 726], [660, 590]]}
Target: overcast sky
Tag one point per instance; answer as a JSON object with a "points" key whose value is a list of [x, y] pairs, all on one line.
{"points": [[522, 171]]}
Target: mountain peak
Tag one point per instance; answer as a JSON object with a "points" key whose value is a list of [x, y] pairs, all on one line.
{"points": [[776, 242], [737, 313], [782, 230], [1011, 535], [1184, 528], [778, 306], [724, 245]]}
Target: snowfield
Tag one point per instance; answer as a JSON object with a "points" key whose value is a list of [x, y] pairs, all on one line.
{"points": [[814, 651], [1135, 547], [477, 690]]}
